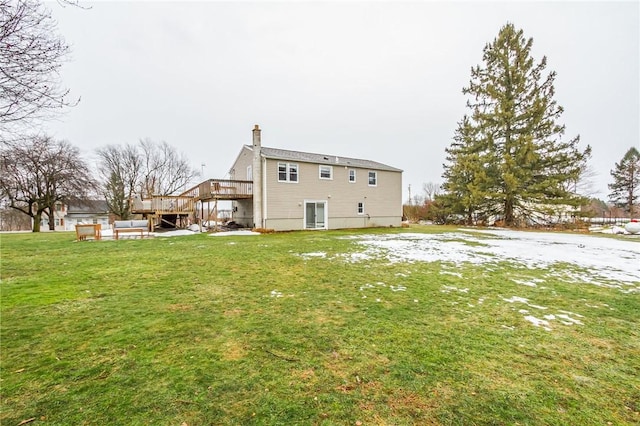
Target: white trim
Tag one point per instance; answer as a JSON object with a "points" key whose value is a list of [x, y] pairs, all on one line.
{"points": [[369, 178], [358, 208], [288, 172], [320, 166], [349, 175]]}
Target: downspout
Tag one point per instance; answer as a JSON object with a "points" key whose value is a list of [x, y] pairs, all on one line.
{"points": [[257, 177]]}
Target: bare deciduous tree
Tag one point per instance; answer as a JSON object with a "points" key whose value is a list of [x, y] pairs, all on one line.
{"points": [[31, 55], [38, 172], [147, 169], [430, 190], [120, 169], [165, 170]]}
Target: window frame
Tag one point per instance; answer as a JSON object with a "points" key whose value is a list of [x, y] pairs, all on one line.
{"points": [[352, 172], [360, 208], [375, 178], [325, 167], [290, 169]]}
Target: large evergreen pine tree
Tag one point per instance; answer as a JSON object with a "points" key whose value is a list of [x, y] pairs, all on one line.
{"points": [[625, 188], [508, 158]]}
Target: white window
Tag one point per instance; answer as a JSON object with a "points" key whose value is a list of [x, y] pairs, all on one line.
{"points": [[326, 172], [249, 173], [373, 178], [361, 208], [287, 172], [352, 175]]}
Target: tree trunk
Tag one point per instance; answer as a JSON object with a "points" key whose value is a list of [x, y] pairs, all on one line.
{"points": [[36, 222], [508, 212]]}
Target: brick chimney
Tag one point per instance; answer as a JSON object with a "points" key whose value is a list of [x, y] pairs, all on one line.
{"points": [[257, 178]]}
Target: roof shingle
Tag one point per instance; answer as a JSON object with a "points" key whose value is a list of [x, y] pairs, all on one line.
{"points": [[308, 157]]}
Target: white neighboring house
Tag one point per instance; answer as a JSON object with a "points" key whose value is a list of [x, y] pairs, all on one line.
{"points": [[68, 216]]}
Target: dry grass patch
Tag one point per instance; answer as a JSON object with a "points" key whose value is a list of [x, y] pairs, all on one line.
{"points": [[233, 351]]}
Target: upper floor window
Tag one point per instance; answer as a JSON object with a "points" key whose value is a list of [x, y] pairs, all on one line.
{"points": [[326, 172], [373, 178], [249, 173], [287, 172], [352, 175]]}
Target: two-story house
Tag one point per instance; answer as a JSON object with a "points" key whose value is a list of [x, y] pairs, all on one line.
{"points": [[295, 190], [67, 216]]}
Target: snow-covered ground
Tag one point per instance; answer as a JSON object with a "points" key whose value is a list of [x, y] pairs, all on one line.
{"points": [[108, 233], [600, 261], [581, 259]]}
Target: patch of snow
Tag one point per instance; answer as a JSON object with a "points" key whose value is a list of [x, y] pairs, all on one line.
{"points": [[569, 320], [449, 289], [523, 300], [572, 313], [233, 233], [517, 299], [537, 306], [175, 233], [601, 261], [538, 322], [313, 254], [530, 283]]}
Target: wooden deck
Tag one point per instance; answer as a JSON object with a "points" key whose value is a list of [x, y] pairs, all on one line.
{"points": [[185, 203]]}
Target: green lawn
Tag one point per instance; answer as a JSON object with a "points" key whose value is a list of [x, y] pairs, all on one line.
{"points": [[201, 330]]}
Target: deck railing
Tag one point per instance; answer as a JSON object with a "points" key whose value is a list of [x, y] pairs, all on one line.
{"points": [[172, 204], [221, 189], [209, 190]]}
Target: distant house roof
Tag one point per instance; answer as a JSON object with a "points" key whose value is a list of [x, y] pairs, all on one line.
{"points": [[88, 206], [308, 157]]}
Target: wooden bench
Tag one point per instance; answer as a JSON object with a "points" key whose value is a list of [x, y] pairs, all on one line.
{"points": [[88, 230], [130, 226]]}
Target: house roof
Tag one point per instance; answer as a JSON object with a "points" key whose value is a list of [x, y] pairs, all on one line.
{"points": [[88, 206], [308, 157]]}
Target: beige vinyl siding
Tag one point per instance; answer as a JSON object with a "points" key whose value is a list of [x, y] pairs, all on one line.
{"points": [[239, 168], [243, 208], [285, 200]]}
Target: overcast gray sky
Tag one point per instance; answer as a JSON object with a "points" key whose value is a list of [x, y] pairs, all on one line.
{"points": [[374, 80]]}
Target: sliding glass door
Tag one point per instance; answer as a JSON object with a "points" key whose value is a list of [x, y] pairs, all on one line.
{"points": [[315, 214]]}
